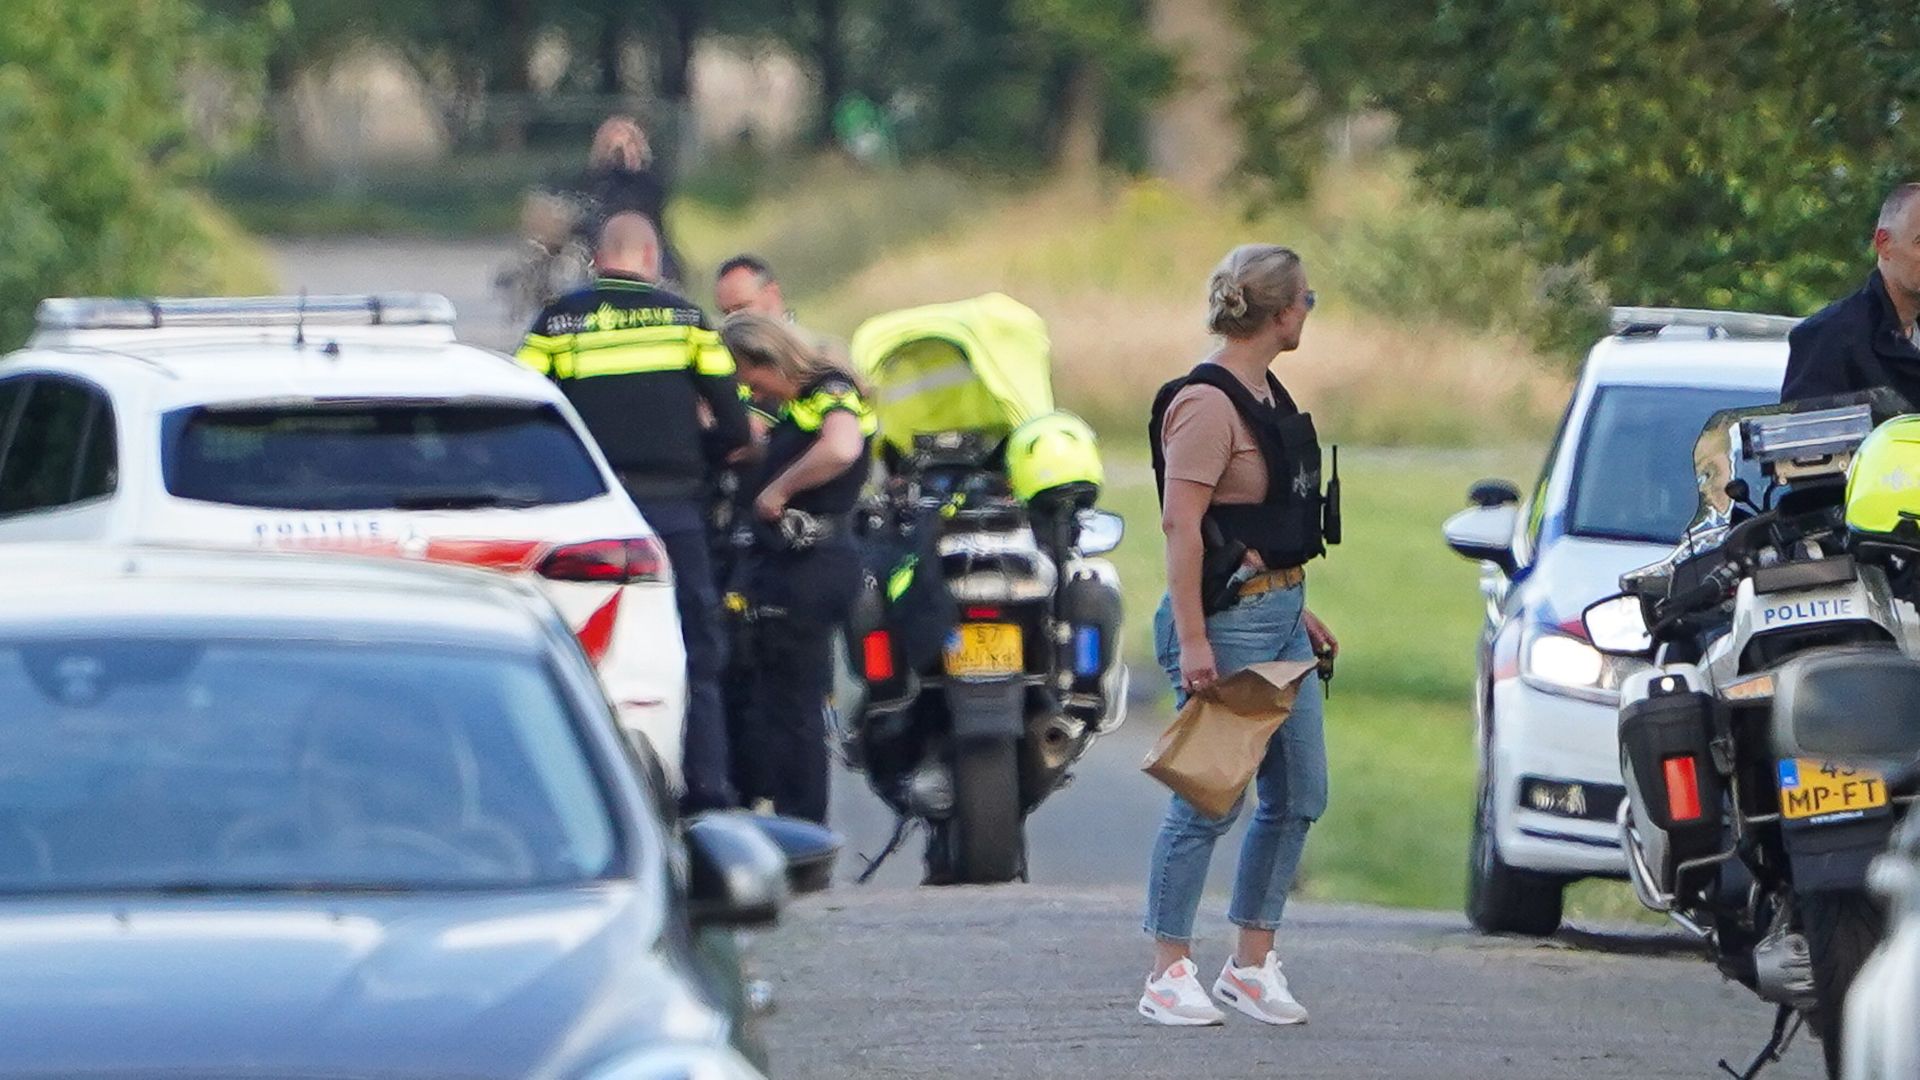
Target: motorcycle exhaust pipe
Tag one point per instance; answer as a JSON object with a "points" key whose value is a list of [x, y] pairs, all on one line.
{"points": [[1060, 737]]}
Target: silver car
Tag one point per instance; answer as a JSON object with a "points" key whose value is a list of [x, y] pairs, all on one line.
{"points": [[327, 816]]}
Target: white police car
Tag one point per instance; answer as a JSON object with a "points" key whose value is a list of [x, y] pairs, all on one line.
{"points": [[1616, 492], [346, 423]]}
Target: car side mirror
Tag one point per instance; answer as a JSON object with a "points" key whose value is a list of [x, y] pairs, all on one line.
{"points": [[1484, 534], [810, 851], [1618, 626], [736, 875], [1100, 531], [1853, 706], [1494, 493]]}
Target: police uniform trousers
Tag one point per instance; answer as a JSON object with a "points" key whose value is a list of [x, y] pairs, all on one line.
{"points": [[798, 600], [682, 527]]}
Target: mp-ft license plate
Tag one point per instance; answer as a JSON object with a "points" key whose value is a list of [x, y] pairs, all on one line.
{"points": [[1810, 788], [985, 650]]}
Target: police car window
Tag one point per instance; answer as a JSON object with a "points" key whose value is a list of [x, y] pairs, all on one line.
{"points": [[12, 392], [44, 453], [99, 471], [379, 456], [1635, 476]]}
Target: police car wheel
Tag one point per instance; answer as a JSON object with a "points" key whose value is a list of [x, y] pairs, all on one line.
{"points": [[1500, 898]]}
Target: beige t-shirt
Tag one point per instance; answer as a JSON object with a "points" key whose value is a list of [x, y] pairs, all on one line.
{"points": [[1208, 442]]}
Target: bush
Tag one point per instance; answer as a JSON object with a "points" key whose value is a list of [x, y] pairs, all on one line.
{"points": [[1426, 263], [96, 177]]}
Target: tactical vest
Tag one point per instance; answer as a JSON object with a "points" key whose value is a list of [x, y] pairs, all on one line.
{"points": [[1286, 527], [799, 428]]}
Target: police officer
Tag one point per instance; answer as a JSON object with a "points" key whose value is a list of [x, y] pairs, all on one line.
{"points": [[803, 567], [656, 389]]}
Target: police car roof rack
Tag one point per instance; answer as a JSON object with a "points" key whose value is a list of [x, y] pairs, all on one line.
{"points": [[1650, 321], [70, 313]]}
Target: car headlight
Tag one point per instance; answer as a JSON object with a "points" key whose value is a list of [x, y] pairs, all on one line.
{"points": [[1563, 664], [677, 1063]]}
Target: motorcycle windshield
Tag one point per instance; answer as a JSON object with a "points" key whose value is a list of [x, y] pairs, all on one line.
{"points": [[1728, 450], [983, 364], [1721, 455]]}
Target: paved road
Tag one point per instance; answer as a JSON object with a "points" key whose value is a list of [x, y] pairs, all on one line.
{"points": [[1040, 981], [462, 270]]}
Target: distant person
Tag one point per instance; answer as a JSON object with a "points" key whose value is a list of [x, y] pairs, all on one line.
{"points": [[1230, 451], [746, 283], [620, 178], [1870, 339], [655, 387], [803, 568]]}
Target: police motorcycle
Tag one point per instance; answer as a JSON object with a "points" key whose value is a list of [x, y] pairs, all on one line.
{"points": [[1781, 628], [981, 658]]}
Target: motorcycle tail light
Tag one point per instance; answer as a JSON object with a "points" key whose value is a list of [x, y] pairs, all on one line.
{"points": [[1683, 789], [609, 562], [982, 614], [877, 656]]}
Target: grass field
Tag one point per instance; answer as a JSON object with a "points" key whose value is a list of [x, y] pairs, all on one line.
{"points": [[1399, 723]]}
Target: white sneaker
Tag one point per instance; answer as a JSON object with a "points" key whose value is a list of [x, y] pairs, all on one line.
{"points": [[1260, 992], [1176, 998]]}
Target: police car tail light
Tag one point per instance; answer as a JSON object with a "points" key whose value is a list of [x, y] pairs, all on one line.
{"points": [[609, 562], [1683, 788]]}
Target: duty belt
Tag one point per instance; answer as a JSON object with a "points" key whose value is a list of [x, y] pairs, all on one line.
{"points": [[1269, 581]]}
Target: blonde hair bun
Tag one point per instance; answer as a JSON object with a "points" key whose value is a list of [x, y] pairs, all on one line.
{"points": [[1254, 283]]}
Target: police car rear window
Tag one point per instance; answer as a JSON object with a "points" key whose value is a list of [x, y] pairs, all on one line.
{"points": [[378, 456]]}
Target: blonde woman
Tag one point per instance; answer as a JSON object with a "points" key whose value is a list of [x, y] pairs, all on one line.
{"points": [[1238, 466], [802, 570]]}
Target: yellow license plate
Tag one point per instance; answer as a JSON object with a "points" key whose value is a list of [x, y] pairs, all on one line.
{"points": [[980, 650], [1812, 788]]}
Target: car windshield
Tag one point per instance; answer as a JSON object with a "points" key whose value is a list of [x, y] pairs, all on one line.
{"points": [[1634, 478], [217, 765], [379, 456]]}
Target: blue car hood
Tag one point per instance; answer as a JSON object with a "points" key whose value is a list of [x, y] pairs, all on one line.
{"points": [[419, 985]]}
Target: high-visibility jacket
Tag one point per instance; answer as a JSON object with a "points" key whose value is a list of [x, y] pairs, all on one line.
{"points": [[636, 361]]}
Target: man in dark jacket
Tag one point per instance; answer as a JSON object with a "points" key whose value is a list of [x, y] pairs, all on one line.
{"points": [[655, 387], [1869, 339]]}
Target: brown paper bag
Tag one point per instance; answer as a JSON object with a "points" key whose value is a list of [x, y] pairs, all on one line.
{"points": [[1208, 755]]}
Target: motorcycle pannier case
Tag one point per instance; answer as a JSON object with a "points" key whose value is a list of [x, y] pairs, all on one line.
{"points": [[1092, 607], [1664, 743]]}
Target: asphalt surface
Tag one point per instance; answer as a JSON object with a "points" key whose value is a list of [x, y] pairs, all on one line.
{"points": [[1040, 980], [462, 270]]}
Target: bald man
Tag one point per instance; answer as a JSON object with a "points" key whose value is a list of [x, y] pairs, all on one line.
{"points": [[1872, 338], [640, 365]]}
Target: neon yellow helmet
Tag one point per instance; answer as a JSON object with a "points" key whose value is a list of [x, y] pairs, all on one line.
{"points": [[1054, 457], [1883, 483]]}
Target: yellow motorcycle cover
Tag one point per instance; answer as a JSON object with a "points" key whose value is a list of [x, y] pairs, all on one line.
{"points": [[983, 364]]}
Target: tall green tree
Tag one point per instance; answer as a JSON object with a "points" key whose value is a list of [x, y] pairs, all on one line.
{"points": [[96, 157], [1714, 152]]}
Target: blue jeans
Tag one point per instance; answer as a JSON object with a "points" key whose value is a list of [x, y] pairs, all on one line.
{"points": [[1291, 782]]}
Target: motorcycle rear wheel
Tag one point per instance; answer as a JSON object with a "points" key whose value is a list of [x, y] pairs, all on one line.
{"points": [[1842, 928], [986, 842]]}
